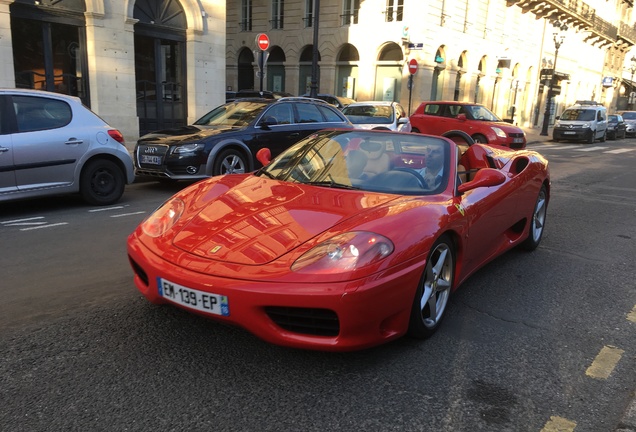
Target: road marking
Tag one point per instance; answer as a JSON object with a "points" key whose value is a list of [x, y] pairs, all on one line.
{"points": [[128, 214], [559, 424], [105, 209], [619, 151], [44, 226], [552, 147], [632, 315], [605, 362], [27, 221], [589, 149]]}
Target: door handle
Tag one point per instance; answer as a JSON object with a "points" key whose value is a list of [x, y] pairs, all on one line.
{"points": [[74, 141]]}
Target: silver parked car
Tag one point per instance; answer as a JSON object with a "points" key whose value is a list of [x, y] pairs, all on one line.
{"points": [[51, 144], [378, 115], [630, 122]]}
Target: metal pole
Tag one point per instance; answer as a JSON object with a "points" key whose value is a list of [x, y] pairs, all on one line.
{"points": [[314, 60], [262, 69], [548, 102]]}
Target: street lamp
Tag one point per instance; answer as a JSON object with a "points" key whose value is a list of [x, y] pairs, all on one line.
{"points": [[559, 37], [632, 69], [314, 58]]}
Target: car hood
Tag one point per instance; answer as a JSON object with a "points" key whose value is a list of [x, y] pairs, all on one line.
{"points": [[258, 220], [185, 134]]}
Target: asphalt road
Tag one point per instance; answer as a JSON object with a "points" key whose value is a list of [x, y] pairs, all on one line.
{"points": [[533, 341]]}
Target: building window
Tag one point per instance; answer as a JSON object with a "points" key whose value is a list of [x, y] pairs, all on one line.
{"points": [[277, 14], [246, 15], [309, 13], [394, 10], [350, 12]]}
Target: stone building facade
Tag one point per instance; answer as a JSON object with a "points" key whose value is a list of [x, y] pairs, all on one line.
{"points": [[140, 65], [496, 52]]}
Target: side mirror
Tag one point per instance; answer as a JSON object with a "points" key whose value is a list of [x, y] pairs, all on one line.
{"points": [[264, 156], [485, 177], [461, 117], [267, 122], [403, 120]]}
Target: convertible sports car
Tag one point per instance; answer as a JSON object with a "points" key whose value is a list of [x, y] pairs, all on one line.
{"points": [[346, 240]]}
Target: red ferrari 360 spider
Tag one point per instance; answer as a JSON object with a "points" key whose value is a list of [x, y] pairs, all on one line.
{"points": [[346, 240]]}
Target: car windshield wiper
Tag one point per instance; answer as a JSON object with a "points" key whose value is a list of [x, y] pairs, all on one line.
{"points": [[266, 173], [330, 183]]}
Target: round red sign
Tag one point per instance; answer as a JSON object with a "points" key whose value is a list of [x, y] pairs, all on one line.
{"points": [[262, 40], [413, 66]]}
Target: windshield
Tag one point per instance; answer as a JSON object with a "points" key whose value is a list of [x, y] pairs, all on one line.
{"points": [[404, 164], [578, 114], [369, 114], [478, 112], [233, 114], [629, 115]]}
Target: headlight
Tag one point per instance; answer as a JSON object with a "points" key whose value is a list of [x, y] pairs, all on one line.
{"points": [[500, 133], [556, 124], [187, 148], [585, 125], [344, 252], [163, 218]]}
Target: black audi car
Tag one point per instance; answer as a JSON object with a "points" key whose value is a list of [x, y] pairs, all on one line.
{"points": [[225, 140]]}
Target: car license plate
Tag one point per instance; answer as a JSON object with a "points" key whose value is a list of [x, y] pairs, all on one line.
{"points": [[193, 299], [569, 133], [152, 160], [517, 140]]}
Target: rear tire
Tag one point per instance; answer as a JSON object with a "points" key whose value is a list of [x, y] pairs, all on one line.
{"points": [[415, 130], [102, 182], [537, 223]]}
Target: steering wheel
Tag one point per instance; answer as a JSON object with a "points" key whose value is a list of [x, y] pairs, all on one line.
{"points": [[419, 177]]}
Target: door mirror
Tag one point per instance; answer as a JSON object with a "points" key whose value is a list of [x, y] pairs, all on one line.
{"points": [[264, 156], [461, 117], [485, 177]]}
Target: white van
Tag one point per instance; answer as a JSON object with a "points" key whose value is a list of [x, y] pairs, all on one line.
{"points": [[584, 121]]}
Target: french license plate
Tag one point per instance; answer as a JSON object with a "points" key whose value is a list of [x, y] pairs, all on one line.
{"points": [[193, 299], [569, 133], [517, 140], [152, 160]]}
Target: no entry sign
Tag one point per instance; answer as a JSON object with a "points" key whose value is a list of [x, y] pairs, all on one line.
{"points": [[262, 41], [412, 66]]}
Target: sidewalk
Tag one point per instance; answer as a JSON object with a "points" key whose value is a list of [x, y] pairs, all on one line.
{"points": [[628, 422], [533, 135]]}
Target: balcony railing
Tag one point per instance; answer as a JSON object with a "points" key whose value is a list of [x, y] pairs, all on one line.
{"points": [[245, 25], [577, 14]]}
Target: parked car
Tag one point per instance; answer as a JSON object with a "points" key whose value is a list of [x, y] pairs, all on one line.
{"points": [[52, 144], [306, 253], [225, 140], [629, 117], [583, 121], [242, 94], [378, 115], [437, 117], [616, 127], [338, 101]]}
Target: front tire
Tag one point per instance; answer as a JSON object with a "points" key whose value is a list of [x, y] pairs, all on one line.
{"points": [[592, 137], [479, 138], [434, 290], [230, 162], [102, 182], [537, 222]]}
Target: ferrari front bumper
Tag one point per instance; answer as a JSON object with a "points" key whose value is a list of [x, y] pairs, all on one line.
{"points": [[344, 316]]}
